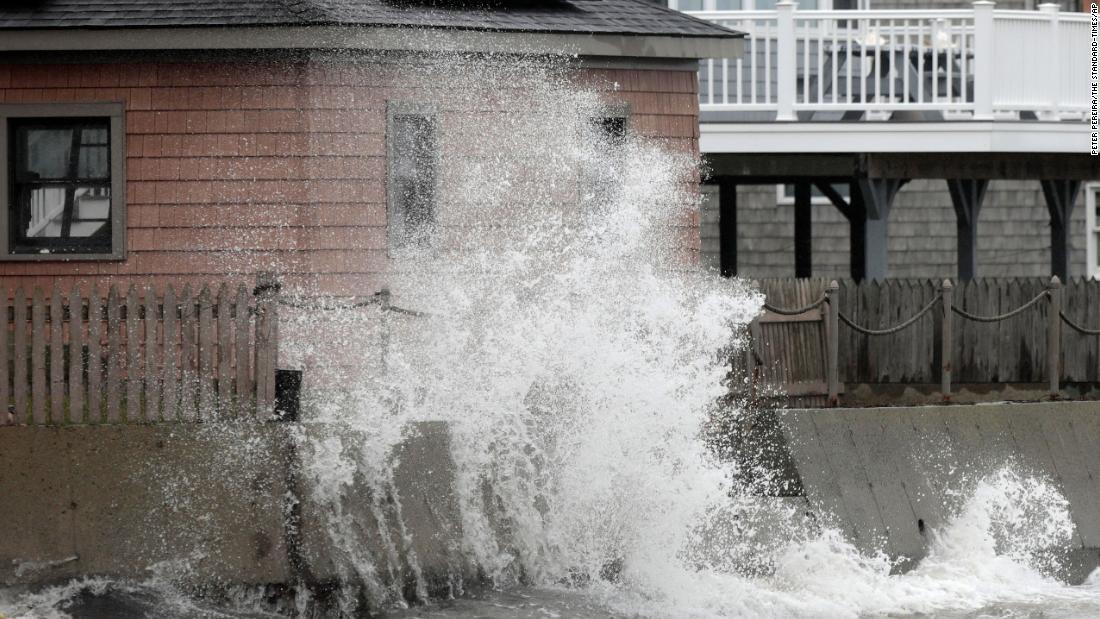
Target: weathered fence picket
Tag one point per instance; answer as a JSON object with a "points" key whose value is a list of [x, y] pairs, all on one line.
{"points": [[136, 356], [225, 351], [95, 358], [153, 356], [19, 332], [188, 355], [245, 392], [5, 379], [56, 358], [133, 357], [171, 407], [76, 355], [999, 343], [114, 354], [206, 353], [38, 357]]}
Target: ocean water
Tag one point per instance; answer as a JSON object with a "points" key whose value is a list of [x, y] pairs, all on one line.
{"points": [[581, 362]]}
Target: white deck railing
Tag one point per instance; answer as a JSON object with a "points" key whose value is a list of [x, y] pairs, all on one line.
{"points": [[976, 63]]}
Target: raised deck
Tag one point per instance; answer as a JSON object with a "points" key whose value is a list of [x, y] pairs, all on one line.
{"points": [[967, 80]]}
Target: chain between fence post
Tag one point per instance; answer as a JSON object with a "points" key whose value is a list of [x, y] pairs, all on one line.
{"points": [[1054, 336], [384, 301], [947, 293], [831, 307]]}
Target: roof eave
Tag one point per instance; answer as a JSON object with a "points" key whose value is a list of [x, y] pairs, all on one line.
{"points": [[372, 38]]}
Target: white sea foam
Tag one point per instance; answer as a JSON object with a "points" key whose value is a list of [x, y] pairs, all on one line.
{"points": [[579, 364]]}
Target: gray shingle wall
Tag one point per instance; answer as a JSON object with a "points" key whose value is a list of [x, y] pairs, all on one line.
{"points": [[1014, 233]]}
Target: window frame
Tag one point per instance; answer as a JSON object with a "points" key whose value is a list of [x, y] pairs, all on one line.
{"points": [[114, 112], [396, 237], [782, 198], [1092, 231]]}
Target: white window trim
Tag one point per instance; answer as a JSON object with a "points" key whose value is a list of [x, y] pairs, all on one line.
{"points": [[782, 198], [115, 112], [395, 227], [750, 5], [1092, 230]]}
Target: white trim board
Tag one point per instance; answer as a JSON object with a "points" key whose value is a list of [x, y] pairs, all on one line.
{"points": [[1092, 231], [895, 137], [372, 38]]}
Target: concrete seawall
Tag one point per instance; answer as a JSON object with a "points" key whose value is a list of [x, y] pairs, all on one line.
{"points": [[887, 476], [123, 500], [210, 504], [202, 504]]}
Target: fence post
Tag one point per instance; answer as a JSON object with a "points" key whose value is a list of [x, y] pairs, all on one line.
{"points": [[267, 343], [984, 61], [786, 62], [832, 327], [947, 292], [1054, 336], [1053, 68]]}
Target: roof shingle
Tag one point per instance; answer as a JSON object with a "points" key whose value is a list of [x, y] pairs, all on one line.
{"points": [[630, 17]]}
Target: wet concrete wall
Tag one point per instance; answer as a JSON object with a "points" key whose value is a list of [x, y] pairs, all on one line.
{"points": [[128, 501], [402, 533], [210, 504], [888, 476]]}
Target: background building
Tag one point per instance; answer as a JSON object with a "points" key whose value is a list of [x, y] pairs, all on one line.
{"points": [[1014, 227]]}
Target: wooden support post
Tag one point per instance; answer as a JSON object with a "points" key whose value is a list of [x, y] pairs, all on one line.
{"points": [[967, 196], [857, 229], [832, 334], [727, 227], [878, 199], [947, 292], [1061, 195], [803, 230], [1054, 337]]}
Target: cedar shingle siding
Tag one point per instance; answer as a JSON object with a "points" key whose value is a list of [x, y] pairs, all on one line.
{"points": [[1014, 233], [232, 168]]}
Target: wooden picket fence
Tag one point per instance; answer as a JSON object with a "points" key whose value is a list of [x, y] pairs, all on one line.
{"points": [[137, 356], [792, 351]]}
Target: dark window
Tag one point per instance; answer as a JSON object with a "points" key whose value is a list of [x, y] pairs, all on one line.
{"points": [[612, 127], [60, 186], [414, 166]]}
